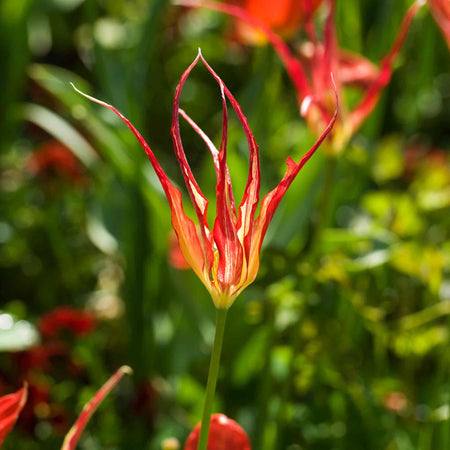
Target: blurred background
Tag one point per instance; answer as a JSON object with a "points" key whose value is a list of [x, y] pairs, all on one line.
{"points": [[90, 277]]}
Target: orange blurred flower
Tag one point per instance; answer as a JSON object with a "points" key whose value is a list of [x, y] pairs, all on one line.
{"points": [[283, 16], [395, 401], [66, 318]]}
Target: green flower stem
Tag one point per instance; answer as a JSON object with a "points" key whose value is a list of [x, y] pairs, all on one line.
{"points": [[212, 378], [324, 210]]}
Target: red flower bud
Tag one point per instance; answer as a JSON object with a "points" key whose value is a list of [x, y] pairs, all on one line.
{"points": [[224, 434]]}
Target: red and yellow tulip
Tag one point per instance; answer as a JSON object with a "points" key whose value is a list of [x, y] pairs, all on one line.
{"points": [[226, 256]]}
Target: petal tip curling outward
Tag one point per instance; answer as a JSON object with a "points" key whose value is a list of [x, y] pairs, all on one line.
{"points": [[72, 437], [10, 407], [190, 243]]}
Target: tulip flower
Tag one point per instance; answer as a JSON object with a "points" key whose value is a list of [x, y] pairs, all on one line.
{"points": [[225, 434], [440, 9], [226, 257], [10, 407], [310, 67]]}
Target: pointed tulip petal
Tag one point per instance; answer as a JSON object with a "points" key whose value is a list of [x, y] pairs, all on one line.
{"points": [[369, 101], [10, 407], [293, 66], [195, 251], [250, 198], [211, 147], [214, 152], [72, 437], [230, 252], [271, 201], [199, 201]]}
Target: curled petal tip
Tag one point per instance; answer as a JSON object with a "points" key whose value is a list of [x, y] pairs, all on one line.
{"points": [[92, 99], [126, 369]]}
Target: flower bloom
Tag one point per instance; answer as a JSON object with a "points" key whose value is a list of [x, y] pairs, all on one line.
{"points": [[440, 9], [309, 68], [226, 257], [282, 16], [67, 318], [224, 434], [54, 158]]}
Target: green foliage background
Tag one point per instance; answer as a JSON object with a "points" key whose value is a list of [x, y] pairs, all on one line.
{"points": [[371, 323]]}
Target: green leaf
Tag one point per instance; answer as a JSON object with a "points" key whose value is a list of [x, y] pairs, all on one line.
{"points": [[251, 358]]}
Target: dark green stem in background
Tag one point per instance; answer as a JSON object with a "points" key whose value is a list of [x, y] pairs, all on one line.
{"points": [[312, 257], [212, 378], [324, 211]]}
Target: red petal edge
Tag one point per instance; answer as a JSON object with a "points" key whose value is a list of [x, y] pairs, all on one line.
{"points": [[272, 199], [72, 437], [193, 251], [10, 407]]}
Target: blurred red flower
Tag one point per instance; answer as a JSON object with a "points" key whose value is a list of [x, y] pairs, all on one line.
{"points": [[54, 158], [318, 57], [224, 434], [283, 16], [66, 318]]}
